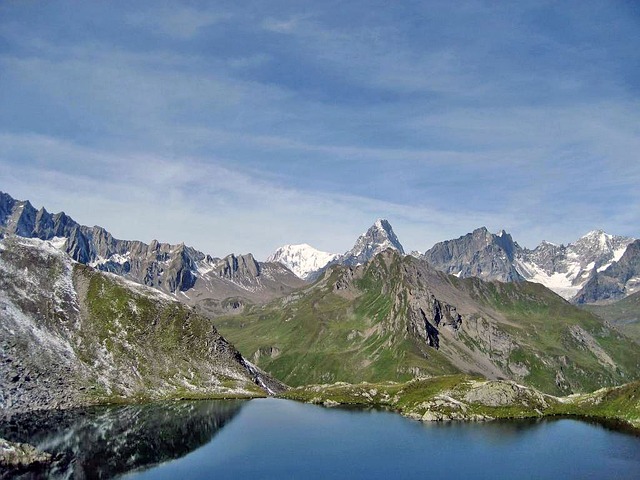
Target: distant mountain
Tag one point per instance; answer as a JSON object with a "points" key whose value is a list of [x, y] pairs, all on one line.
{"points": [[584, 271], [567, 269], [615, 280], [308, 263], [563, 269], [72, 335], [200, 279], [302, 259], [478, 254], [378, 238]]}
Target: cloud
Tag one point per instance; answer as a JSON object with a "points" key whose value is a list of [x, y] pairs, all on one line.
{"points": [[180, 22], [199, 202], [293, 24], [265, 125]]}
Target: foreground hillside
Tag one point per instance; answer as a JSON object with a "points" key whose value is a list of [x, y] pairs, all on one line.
{"points": [[72, 335], [396, 318]]}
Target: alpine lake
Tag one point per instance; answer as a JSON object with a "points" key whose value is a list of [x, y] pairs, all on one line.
{"points": [[272, 438]]}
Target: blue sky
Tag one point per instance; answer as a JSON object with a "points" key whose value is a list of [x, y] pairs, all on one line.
{"points": [[241, 126]]}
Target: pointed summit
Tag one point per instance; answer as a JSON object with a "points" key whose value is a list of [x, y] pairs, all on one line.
{"points": [[377, 239]]}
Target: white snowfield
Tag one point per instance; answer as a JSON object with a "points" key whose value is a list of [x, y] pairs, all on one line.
{"points": [[576, 263], [302, 259]]}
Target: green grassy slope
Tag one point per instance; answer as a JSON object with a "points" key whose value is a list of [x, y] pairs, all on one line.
{"points": [[318, 335], [624, 314], [365, 324], [71, 335], [580, 351]]}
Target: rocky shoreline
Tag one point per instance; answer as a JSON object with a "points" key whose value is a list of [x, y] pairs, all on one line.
{"points": [[16, 458], [460, 398]]}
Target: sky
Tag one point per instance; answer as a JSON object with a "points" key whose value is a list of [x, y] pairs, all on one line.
{"points": [[242, 126]]}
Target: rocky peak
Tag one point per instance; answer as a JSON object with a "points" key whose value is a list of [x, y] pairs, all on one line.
{"points": [[235, 267], [378, 238], [599, 248], [477, 254], [619, 279]]}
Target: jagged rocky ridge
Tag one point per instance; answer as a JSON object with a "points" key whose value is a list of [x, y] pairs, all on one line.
{"points": [[378, 238], [219, 285], [564, 269], [575, 271], [478, 254], [200, 279], [616, 281], [396, 317], [73, 335]]}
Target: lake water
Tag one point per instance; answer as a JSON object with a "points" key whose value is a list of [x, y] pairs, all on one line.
{"points": [[269, 438]]}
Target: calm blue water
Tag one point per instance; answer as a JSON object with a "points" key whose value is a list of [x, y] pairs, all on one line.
{"points": [[271, 438]]}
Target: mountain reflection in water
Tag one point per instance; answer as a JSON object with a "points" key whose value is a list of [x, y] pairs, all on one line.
{"points": [[102, 442]]}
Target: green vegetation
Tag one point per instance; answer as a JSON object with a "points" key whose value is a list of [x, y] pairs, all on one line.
{"points": [[618, 403], [459, 397], [362, 324], [452, 397], [318, 335], [148, 347], [624, 314], [565, 349]]}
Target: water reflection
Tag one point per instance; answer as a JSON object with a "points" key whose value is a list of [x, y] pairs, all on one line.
{"points": [[103, 442]]}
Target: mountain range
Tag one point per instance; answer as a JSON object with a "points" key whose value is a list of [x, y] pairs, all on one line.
{"points": [[87, 317], [595, 268], [195, 277]]}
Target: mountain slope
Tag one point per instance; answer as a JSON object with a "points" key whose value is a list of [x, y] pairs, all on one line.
{"points": [[73, 335], [200, 279], [624, 314], [396, 317]]}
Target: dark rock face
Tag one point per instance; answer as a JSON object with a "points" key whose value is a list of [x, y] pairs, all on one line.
{"points": [[616, 281], [238, 267], [478, 254]]}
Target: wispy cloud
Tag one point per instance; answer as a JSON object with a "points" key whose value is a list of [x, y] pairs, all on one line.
{"points": [[179, 21], [294, 122]]}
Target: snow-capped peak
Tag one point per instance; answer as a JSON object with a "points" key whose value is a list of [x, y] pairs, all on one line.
{"points": [[565, 270], [378, 238], [302, 259]]}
